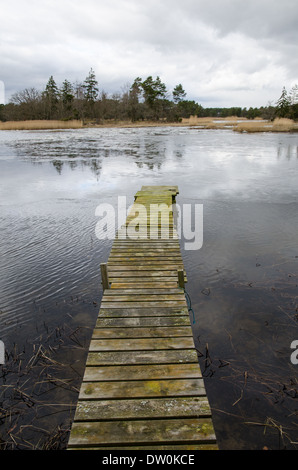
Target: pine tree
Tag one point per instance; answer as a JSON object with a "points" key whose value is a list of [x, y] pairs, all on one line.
{"points": [[90, 87], [283, 105], [66, 99], [178, 93], [153, 90], [67, 92], [51, 95]]}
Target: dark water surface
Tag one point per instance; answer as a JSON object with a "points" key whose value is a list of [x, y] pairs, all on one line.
{"points": [[243, 282]]}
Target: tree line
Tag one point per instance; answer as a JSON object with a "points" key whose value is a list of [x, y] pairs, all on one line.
{"points": [[144, 99]]}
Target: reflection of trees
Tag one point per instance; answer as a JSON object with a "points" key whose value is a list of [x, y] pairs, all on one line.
{"points": [[140, 147], [287, 151], [94, 164], [58, 165]]}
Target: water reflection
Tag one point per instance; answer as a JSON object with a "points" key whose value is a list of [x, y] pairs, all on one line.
{"points": [[287, 151], [243, 281]]}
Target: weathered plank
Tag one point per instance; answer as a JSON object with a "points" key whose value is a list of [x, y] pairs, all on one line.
{"points": [[140, 344], [143, 432], [158, 303], [115, 322], [136, 297], [153, 332], [165, 407], [143, 285], [142, 389], [141, 291], [134, 311], [143, 357], [142, 372], [185, 447]]}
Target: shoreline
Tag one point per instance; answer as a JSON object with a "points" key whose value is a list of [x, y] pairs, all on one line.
{"points": [[231, 123]]}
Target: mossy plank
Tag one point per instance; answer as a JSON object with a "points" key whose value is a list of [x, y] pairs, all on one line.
{"points": [[143, 291], [142, 408], [169, 274], [178, 298], [143, 285], [153, 332], [139, 344], [132, 311], [142, 357], [152, 267], [145, 253], [175, 448], [146, 303], [142, 372], [158, 262], [178, 431], [130, 321], [142, 389]]}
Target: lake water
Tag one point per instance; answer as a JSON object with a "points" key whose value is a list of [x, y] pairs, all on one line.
{"points": [[242, 283]]}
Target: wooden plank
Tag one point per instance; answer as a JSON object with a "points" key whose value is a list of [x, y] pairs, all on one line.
{"points": [[140, 344], [142, 389], [157, 261], [151, 245], [115, 322], [143, 285], [174, 407], [153, 332], [169, 274], [143, 432], [145, 248], [148, 291], [142, 357], [178, 298], [153, 267], [157, 303], [132, 311], [142, 372], [177, 448]]}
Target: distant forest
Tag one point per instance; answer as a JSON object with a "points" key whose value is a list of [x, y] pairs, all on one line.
{"points": [[146, 99]]}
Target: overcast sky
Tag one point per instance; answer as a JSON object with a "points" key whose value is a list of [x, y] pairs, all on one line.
{"points": [[224, 52]]}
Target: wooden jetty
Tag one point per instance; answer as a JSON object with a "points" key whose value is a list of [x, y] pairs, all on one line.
{"points": [[143, 388]]}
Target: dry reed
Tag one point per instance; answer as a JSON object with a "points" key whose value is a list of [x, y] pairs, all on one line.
{"points": [[278, 125], [40, 125]]}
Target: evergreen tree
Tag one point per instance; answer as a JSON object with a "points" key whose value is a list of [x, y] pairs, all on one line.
{"points": [[51, 95], [67, 99], [67, 92], [90, 87], [154, 93], [135, 93], [283, 105], [178, 93]]}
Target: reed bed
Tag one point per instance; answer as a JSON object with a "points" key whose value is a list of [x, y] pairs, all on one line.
{"points": [[232, 122], [40, 125], [278, 125], [242, 124]]}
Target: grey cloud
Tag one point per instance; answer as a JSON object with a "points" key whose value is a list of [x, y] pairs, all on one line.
{"points": [[229, 50]]}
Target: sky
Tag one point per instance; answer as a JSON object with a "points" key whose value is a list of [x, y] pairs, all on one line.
{"points": [[224, 52]]}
